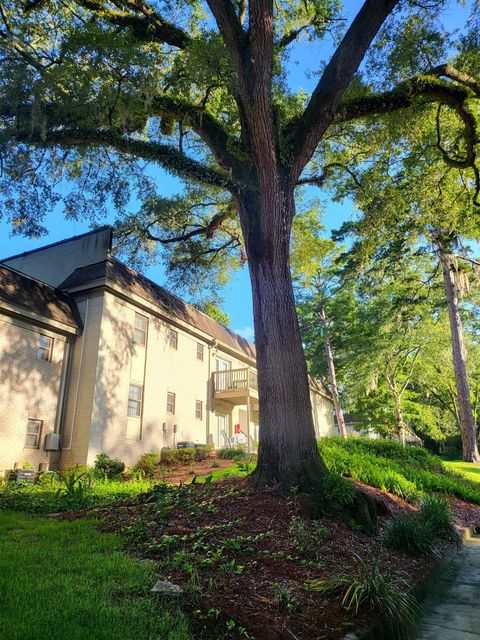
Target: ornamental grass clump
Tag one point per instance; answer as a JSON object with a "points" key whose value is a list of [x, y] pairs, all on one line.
{"points": [[435, 511], [367, 586], [410, 534]]}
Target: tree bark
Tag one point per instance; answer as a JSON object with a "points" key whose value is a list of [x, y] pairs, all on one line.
{"points": [[332, 376], [288, 452], [468, 430], [400, 424]]}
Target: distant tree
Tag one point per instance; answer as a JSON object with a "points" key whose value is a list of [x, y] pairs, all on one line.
{"points": [[318, 281], [414, 202], [211, 309]]}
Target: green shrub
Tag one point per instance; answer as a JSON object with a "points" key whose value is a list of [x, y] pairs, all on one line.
{"points": [[168, 456], [37, 498], [337, 489], [232, 453], [382, 592], [410, 534], [147, 464], [48, 479], [435, 510], [186, 455], [109, 467], [407, 472]]}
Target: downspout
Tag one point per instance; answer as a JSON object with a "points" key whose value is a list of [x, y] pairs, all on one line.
{"points": [[208, 393], [67, 354], [80, 367]]}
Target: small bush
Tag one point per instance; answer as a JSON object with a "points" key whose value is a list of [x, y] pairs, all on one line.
{"points": [[168, 456], [109, 467], [337, 489], [147, 464], [185, 456], [435, 510], [232, 453], [383, 592], [410, 534], [215, 464]]}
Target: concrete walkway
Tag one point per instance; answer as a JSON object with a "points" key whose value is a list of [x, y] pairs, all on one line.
{"points": [[452, 612]]}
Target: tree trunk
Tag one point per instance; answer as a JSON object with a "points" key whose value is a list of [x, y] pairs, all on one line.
{"points": [[332, 377], [397, 403], [400, 424], [287, 452], [467, 424]]}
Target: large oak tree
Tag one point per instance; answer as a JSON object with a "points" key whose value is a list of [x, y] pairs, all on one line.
{"points": [[201, 89]]}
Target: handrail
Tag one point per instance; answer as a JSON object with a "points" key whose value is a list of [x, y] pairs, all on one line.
{"points": [[235, 379]]}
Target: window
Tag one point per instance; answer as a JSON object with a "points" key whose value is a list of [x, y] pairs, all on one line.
{"points": [[198, 409], [199, 351], [135, 400], [170, 402], [44, 348], [173, 338], [34, 432], [140, 329]]}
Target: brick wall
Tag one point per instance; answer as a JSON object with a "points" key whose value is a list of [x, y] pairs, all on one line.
{"points": [[29, 389]]}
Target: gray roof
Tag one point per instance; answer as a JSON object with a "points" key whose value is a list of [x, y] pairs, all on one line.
{"points": [[22, 291], [131, 281]]}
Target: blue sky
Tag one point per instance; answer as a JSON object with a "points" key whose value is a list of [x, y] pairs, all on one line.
{"points": [[237, 294]]}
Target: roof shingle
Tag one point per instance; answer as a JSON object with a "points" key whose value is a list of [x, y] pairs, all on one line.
{"points": [[131, 281], [22, 291]]}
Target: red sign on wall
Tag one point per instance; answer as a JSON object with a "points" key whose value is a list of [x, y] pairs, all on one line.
{"points": [[237, 428]]}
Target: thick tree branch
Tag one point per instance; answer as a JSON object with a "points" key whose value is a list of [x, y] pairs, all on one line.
{"points": [[449, 71], [230, 28], [206, 126], [148, 27], [166, 155], [336, 78], [401, 97]]}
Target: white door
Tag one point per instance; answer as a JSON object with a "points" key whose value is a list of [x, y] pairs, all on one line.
{"points": [[222, 365], [220, 431]]}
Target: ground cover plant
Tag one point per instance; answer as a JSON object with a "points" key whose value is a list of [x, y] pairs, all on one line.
{"points": [[245, 557], [63, 580], [247, 560], [73, 493], [467, 469], [407, 472]]}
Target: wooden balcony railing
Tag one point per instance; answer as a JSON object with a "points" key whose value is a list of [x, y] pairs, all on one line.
{"points": [[234, 380]]}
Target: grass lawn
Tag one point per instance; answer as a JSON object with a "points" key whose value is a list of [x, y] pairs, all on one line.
{"points": [[468, 469], [64, 580]]}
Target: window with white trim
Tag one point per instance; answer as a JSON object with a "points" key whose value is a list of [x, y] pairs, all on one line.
{"points": [[135, 397], [173, 338], [44, 348], [140, 329], [34, 433], [199, 351], [198, 409], [170, 402]]}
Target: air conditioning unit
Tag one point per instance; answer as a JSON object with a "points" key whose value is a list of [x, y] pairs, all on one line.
{"points": [[52, 442]]}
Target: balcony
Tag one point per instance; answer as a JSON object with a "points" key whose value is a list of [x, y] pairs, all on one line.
{"points": [[235, 386]]}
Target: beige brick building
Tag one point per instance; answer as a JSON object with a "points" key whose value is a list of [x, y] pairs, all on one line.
{"points": [[95, 358]]}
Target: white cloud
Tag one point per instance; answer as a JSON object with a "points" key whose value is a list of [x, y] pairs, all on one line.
{"points": [[246, 332]]}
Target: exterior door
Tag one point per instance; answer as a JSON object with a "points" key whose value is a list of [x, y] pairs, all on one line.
{"points": [[222, 365], [220, 431]]}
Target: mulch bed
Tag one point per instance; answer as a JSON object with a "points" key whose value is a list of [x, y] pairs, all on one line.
{"points": [[183, 473], [242, 585]]}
